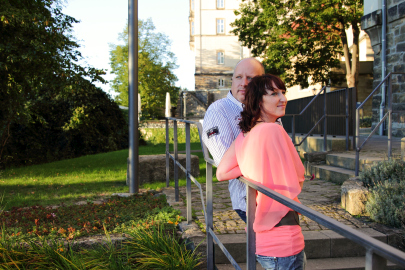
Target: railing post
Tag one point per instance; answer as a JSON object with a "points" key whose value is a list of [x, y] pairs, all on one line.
{"points": [[251, 236], [209, 218], [188, 169], [354, 98], [293, 130], [356, 170], [347, 118], [167, 154], [176, 159], [325, 123], [389, 117], [375, 261]]}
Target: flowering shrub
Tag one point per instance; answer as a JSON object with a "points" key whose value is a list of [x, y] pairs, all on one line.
{"points": [[117, 214]]}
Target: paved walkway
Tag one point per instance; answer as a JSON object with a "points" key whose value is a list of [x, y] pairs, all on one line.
{"points": [[318, 195]]}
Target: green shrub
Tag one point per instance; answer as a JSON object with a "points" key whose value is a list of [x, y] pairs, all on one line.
{"points": [[366, 122], [386, 203], [391, 171], [158, 135]]}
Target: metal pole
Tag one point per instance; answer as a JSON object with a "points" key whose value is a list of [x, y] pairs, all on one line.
{"points": [[375, 261], [188, 168], [356, 170], [383, 60], [209, 216], [347, 118], [389, 117], [167, 154], [251, 236], [293, 130], [133, 95], [325, 122], [176, 159]]}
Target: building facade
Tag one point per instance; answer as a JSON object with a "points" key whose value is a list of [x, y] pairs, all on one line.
{"points": [[389, 60], [217, 51]]}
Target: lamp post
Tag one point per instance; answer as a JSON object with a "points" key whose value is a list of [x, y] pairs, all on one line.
{"points": [[133, 96]]}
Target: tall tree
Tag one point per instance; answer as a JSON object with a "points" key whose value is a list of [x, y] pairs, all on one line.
{"points": [[155, 74], [38, 60], [302, 40]]}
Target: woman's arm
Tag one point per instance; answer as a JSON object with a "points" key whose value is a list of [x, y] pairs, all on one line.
{"points": [[228, 167]]}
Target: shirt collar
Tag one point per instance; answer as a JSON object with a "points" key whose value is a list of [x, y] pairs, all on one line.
{"points": [[234, 100]]}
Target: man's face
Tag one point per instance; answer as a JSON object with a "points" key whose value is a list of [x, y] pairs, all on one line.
{"points": [[244, 72]]}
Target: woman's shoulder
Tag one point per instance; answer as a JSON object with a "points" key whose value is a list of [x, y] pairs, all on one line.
{"points": [[269, 127]]}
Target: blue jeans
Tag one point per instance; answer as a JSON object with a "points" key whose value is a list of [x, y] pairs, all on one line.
{"points": [[294, 262], [242, 214]]}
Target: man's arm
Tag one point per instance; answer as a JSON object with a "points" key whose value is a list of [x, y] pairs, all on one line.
{"points": [[217, 133]]}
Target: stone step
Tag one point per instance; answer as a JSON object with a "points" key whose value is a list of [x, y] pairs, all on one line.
{"points": [[348, 263], [318, 244], [330, 173], [348, 161]]}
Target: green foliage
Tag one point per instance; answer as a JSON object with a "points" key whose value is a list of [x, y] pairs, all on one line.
{"points": [[38, 67], [386, 203], [300, 40], [158, 135], [170, 253], [155, 70], [156, 248], [392, 171], [366, 122], [85, 121]]}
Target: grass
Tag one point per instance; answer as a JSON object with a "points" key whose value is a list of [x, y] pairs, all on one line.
{"points": [[83, 178]]}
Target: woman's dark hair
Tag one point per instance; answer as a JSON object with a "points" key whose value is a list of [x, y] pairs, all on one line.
{"points": [[255, 91]]}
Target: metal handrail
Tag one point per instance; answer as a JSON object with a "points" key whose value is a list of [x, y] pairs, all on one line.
{"points": [[387, 115], [377, 252], [324, 117]]}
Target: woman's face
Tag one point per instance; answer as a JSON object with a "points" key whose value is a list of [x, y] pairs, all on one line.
{"points": [[273, 105]]}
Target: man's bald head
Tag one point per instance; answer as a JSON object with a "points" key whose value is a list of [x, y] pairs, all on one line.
{"points": [[244, 71]]}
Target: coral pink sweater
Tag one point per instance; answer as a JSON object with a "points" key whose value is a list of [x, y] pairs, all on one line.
{"points": [[267, 155]]}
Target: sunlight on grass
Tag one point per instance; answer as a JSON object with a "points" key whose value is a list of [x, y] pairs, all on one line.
{"points": [[82, 178]]}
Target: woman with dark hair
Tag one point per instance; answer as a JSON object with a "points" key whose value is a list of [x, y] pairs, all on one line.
{"points": [[263, 152]]}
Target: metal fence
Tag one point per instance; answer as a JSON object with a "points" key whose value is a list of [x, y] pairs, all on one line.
{"points": [[377, 252], [339, 105], [387, 116]]}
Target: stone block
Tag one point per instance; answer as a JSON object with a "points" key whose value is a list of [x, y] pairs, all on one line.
{"points": [[354, 196], [403, 148], [315, 156], [152, 168]]}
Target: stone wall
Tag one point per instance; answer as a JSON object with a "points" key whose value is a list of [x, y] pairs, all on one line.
{"points": [[194, 104], [211, 81], [395, 58]]}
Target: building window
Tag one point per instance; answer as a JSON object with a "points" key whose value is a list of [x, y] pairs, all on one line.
{"points": [[220, 58], [220, 4], [220, 26], [221, 83], [192, 5], [192, 28]]}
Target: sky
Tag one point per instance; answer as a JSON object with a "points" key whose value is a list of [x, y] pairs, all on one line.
{"points": [[101, 21]]}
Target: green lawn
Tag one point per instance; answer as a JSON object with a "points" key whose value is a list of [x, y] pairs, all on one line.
{"points": [[83, 178]]}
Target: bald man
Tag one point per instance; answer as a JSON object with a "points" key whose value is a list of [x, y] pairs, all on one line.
{"points": [[221, 124]]}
